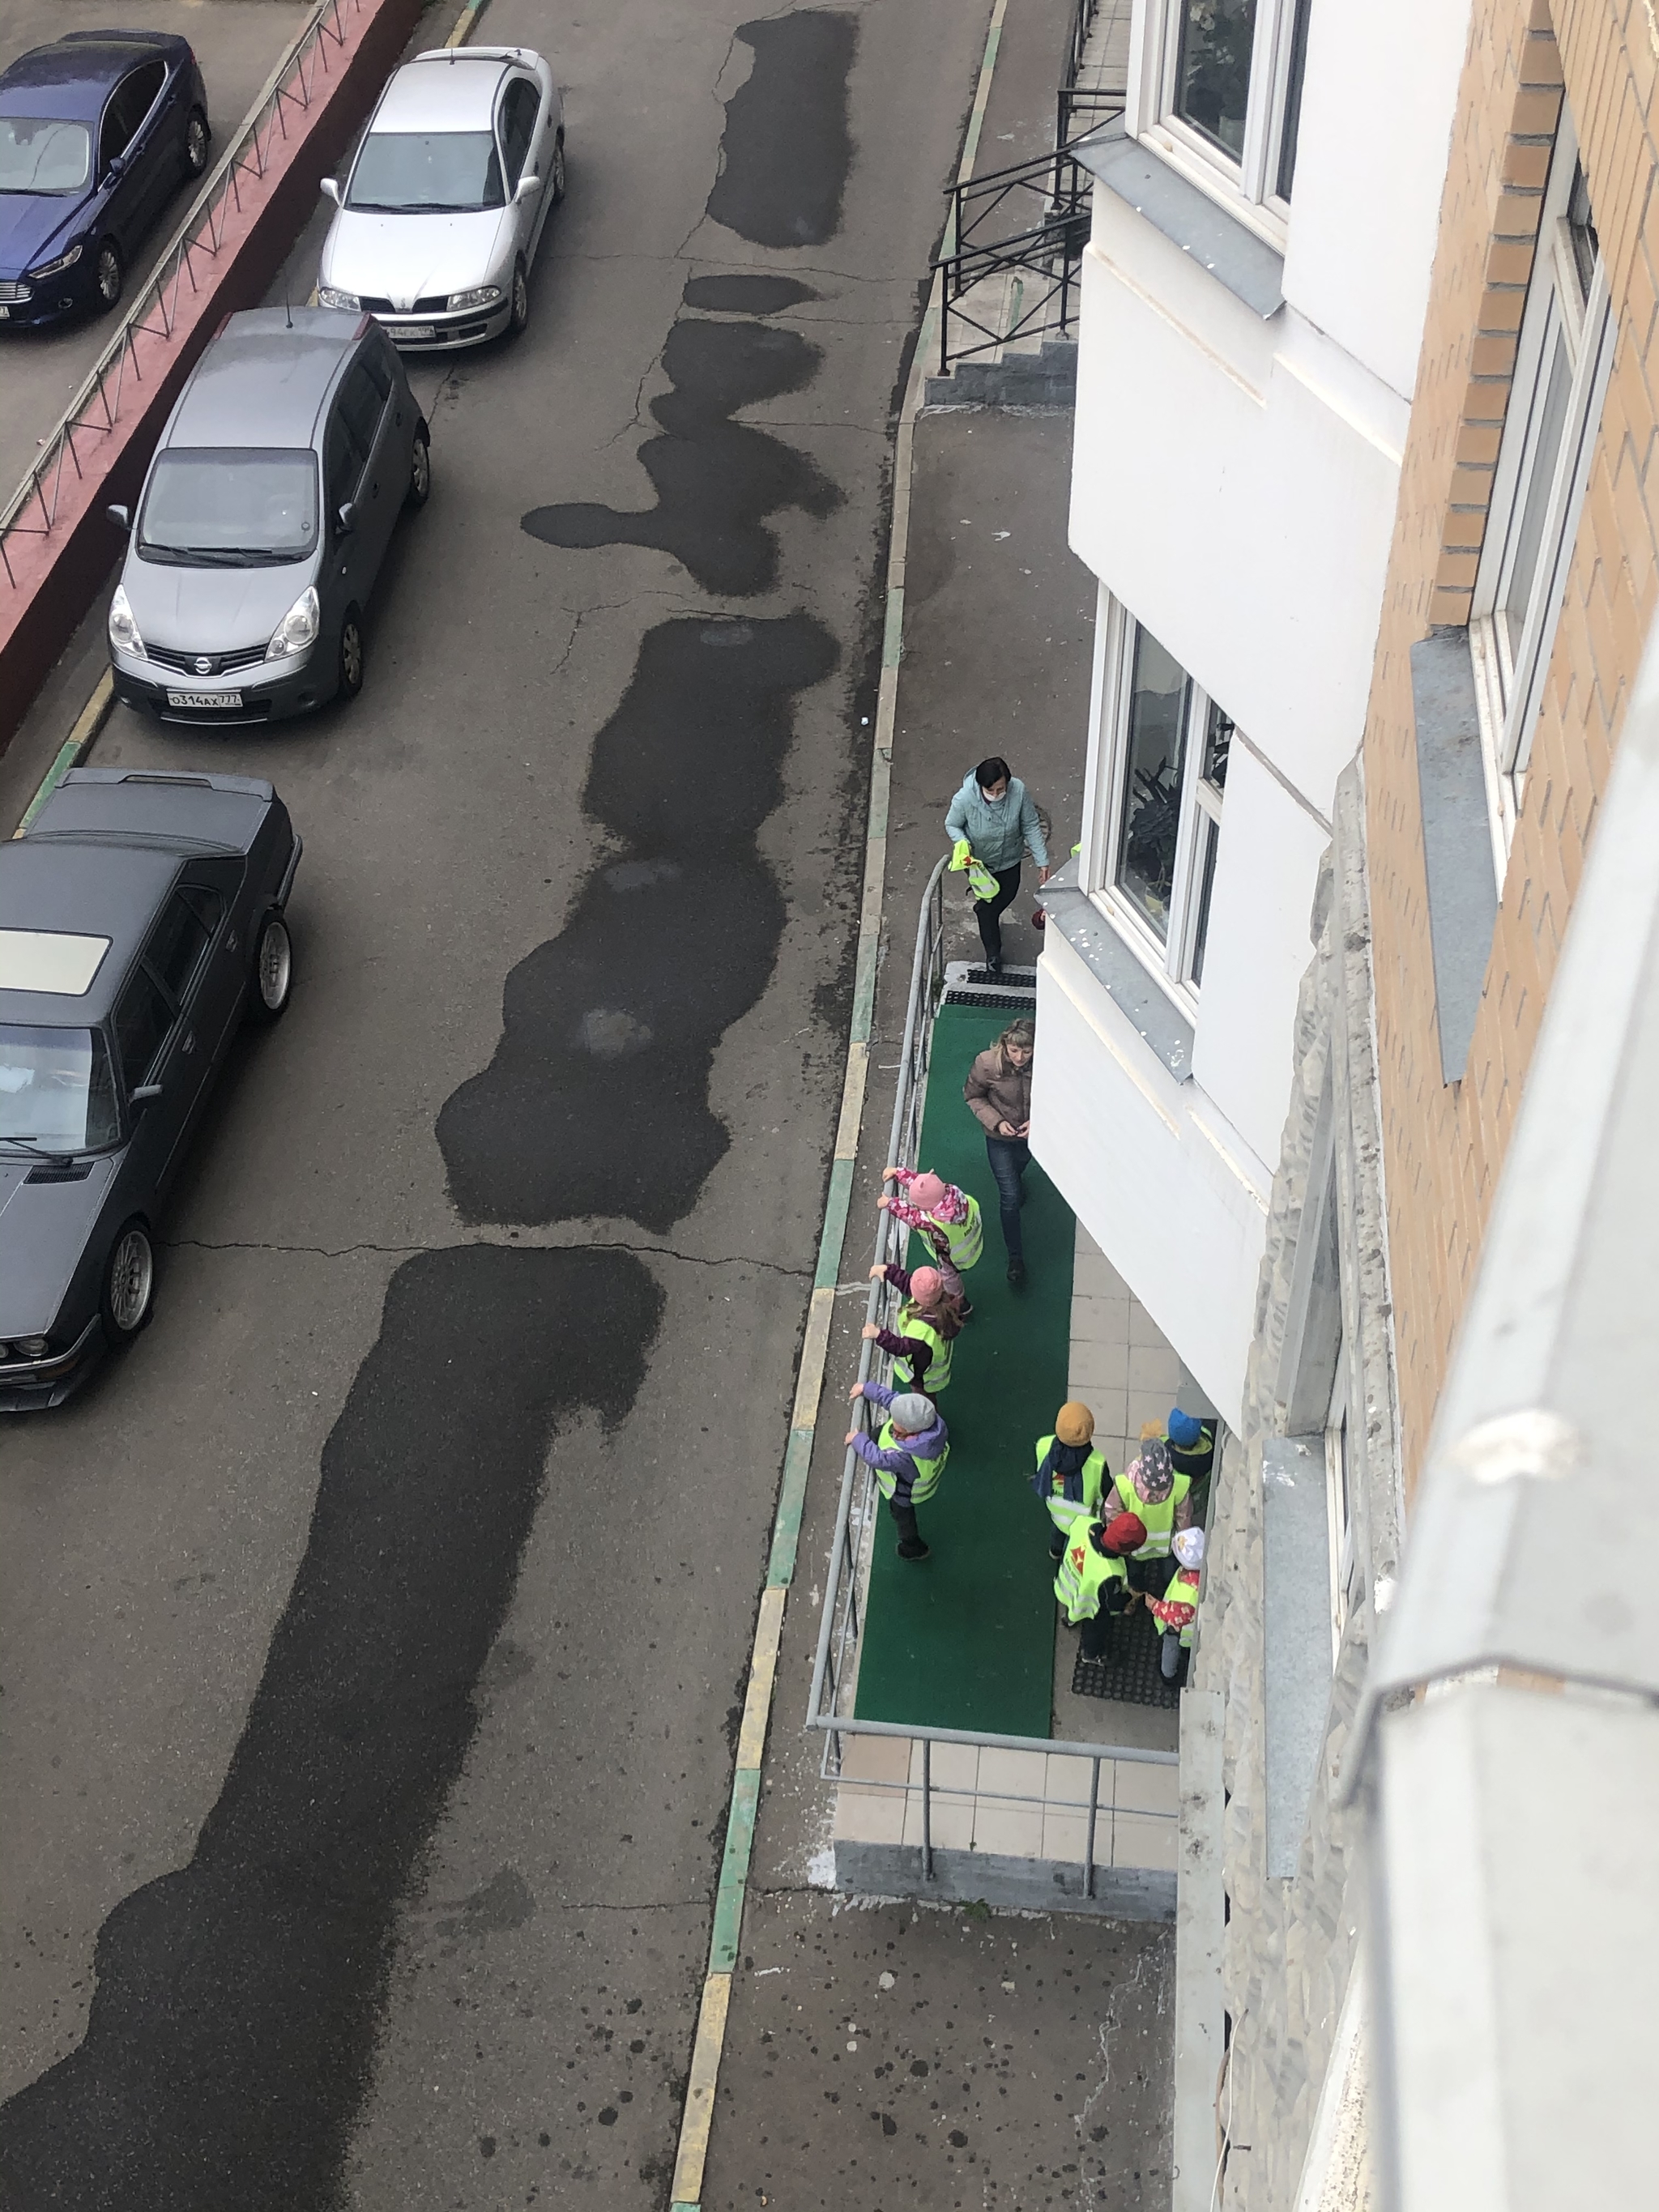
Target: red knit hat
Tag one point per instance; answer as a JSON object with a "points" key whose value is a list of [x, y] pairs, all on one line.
{"points": [[1125, 1533]]}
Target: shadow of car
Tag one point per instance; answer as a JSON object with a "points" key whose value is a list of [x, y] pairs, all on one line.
{"points": [[97, 130], [141, 921]]}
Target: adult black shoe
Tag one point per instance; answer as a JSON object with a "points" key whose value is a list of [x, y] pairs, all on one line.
{"points": [[1016, 1273], [913, 1552]]}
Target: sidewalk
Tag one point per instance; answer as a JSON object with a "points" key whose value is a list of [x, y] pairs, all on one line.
{"points": [[880, 2054]]}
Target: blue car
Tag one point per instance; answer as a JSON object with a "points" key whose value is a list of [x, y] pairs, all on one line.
{"points": [[97, 132]]}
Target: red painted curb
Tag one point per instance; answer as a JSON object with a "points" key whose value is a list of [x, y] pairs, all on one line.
{"points": [[59, 572]]}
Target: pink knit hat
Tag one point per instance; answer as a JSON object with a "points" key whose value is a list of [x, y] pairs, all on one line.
{"points": [[926, 1283], [927, 1191]]}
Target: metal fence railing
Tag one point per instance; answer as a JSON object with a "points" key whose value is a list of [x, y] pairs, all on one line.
{"points": [[834, 1668], [1027, 225], [96, 409]]}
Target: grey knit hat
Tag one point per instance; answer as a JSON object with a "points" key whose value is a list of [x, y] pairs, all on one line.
{"points": [[912, 1413]]}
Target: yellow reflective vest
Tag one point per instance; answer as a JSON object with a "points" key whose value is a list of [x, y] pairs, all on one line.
{"points": [[1084, 1576], [1158, 1521], [1180, 1593], [929, 1471], [937, 1373], [965, 1238], [1061, 1510]]}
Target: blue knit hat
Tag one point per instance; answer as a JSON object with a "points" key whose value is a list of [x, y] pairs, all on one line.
{"points": [[1184, 1431]]}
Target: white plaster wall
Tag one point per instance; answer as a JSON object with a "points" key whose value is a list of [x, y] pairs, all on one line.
{"points": [[1173, 1195], [1257, 952], [1377, 104], [1234, 485]]}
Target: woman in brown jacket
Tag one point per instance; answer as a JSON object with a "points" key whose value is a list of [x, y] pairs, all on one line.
{"points": [[998, 1094]]}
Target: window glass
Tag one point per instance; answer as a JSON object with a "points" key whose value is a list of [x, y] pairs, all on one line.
{"points": [[134, 98], [1581, 229], [360, 405], [39, 155], [518, 112], [1212, 73], [222, 508], [1154, 757], [1217, 741], [430, 171], [376, 363], [181, 937], [142, 1018], [1292, 123], [1556, 390], [55, 1088], [344, 461], [1211, 831]]}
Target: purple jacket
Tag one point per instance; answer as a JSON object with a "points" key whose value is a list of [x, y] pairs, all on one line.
{"points": [[896, 1460]]}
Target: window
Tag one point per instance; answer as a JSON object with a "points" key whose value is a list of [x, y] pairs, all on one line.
{"points": [[344, 461], [1339, 1499], [142, 1018], [55, 1088], [1226, 95], [1562, 360], [519, 108], [132, 99], [182, 936], [361, 403], [1160, 779]]}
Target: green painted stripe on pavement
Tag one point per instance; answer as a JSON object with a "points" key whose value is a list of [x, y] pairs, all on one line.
{"points": [[892, 638], [734, 1871], [976, 121], [792, 1504], [836, 1205], [69, 754]]}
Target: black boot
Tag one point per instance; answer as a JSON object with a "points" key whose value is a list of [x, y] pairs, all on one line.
{"points": [[1016, 1273]]}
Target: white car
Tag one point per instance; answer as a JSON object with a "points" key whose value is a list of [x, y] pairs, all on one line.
{"points": [[443, 208]]}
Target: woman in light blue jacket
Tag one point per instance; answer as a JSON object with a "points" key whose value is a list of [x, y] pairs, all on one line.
{"points": [[993, 820]]}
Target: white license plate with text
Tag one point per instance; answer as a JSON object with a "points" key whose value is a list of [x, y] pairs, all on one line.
{"points": [[208, 699]]}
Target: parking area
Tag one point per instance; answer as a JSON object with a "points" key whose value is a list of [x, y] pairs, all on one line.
{"points": [[238, 44]]}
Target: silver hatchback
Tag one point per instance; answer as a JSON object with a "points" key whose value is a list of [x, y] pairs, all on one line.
{"points": [[249, 564]]}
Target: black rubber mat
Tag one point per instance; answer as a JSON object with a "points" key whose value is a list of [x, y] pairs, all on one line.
{"points": [[1131, 1671], [957, 997]]}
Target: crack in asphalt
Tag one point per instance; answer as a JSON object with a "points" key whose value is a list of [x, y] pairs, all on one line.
{"points": [[498, 1244]]}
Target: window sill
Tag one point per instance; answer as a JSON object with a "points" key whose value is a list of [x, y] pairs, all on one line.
{"points": [[1143, 1003], [1219, 240], [1457, 845]]}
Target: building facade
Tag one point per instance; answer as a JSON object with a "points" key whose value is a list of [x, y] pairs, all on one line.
{"points": [[1365, 423]]}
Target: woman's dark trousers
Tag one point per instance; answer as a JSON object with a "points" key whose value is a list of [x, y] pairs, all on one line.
{"points": [[988, 912], [1009, 1157]]}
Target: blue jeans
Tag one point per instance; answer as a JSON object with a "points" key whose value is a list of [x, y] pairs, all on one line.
{"points": [[1009, 1157]]}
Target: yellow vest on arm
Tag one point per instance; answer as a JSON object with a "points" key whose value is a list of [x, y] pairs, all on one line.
{"points": [[1084, 1574], [1061, 1510], [937, 1373], [1158, 1521], [1180, 1593], [929, 1471]]}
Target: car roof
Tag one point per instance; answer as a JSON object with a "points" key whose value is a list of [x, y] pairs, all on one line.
{"points": [[174, 811], [457, 94], [74, 76], [263, 379], [97, 889]]}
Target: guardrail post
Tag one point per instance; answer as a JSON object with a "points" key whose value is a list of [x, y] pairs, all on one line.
{"points": [[926, 1808], [1089, 1848]]}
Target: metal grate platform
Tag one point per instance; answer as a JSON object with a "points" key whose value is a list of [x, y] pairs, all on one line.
{"points": [[1131, 1671]]}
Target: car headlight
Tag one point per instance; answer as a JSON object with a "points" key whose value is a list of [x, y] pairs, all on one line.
{"points": [[481, 295], [329, 296], [32, 1347], [123, 629], [64, 261], [297, 630]]}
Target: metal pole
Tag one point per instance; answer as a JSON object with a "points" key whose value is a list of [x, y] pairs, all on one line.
{"points": [[927, 1810], [1089, 1848]]}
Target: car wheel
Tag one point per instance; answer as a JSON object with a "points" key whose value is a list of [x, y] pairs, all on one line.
{"points": [[420, 470], [108, 273], [558, 169], [273, 971], [351, 654], [520, 314], [197, 139], [129, 1283]]}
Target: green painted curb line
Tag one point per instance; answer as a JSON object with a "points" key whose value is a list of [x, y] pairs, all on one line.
{"points": [[792, 1504], [734, 1871], [892, 637], [837, 1204], [69, 756]]}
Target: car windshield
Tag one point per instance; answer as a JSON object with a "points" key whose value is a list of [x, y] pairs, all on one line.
{"points": [[56, 1094], [427, 172], [216, 507], [39, 154]]}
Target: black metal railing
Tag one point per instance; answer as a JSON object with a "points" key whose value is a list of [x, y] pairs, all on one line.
{"points": [[1081, 108], [1083, 20], [1013, 246]]}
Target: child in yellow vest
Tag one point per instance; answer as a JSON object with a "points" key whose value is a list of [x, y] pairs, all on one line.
{"points": [[1177, 1609]]}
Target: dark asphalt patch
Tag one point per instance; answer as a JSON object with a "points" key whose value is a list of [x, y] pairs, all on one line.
{"points": [[716, 480], [232, 2032], [597, 1100], [786, 150], [745, 295]]}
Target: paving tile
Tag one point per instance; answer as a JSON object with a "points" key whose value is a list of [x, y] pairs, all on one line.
{"points": [[1154, 1367], [1067, 1780], [867, 1815], [1012, 1773], [1140, 1789], [952, 1821], [1012, 1831], [1065, 1835], [875, 1758], [1096, 1362], [1109, 1405], [953, 1766], [1141, 1839], [1144, 1330]]}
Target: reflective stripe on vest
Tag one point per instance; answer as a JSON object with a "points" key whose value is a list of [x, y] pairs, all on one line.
{"points": [[966, 1238], [1061, 1510], [1180, 1593], [929, 1471], [1158, 1521], [1083, 1577], [912, 1323]]}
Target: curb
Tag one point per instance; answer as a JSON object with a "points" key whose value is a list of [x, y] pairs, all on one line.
{"points": [[709, 2045]]}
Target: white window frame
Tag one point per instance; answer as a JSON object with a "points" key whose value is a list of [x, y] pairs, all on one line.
{"points": [[1510, 674], [1247, 187], [1171, 960]]}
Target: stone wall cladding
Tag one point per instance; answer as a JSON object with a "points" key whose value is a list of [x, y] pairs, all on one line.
{"points": [[1289, 1946], [1445, 1143]]}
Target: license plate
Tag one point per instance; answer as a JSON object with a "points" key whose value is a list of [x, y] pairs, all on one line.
{"points": [[208, 699], [415, 330], [5, 314]]}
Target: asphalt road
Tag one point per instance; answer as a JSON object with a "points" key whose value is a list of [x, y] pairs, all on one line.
{"points": [[238, 44], [373, 1633]]}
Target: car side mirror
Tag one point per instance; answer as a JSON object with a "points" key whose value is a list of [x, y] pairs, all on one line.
{"points": [[329, 189], [345, 519], [120, 517], [528, 186], [143, 1096]]}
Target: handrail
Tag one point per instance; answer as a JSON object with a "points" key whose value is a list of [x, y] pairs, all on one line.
{"points": [[1129, 1754], [292, 84], [1048, 252], [1082, 17]]}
